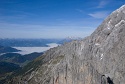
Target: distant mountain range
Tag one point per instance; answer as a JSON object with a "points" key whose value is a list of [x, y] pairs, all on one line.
{"points": [[28, 42], [34, 42], [7, 49]]}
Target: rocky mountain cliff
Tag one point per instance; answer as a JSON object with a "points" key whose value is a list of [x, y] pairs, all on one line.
{"points": [[97, 59]]}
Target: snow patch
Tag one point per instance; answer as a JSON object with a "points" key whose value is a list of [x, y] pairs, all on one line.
{"points": [[108, 28], [109, 25], [82, 46], [109, 22], [97, 44], [101, 56], [122, 21]]}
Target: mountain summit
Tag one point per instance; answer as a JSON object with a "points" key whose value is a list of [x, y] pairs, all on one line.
{"points": [[97, 59]]}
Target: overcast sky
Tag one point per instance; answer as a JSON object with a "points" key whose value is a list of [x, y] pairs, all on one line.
{"points": [[53, 18]]}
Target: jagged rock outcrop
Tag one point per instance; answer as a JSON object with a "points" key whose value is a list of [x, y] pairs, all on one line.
{"points": [[97, 59]]}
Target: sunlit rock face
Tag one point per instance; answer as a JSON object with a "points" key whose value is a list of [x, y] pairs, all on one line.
{"points": [[97, 59]]}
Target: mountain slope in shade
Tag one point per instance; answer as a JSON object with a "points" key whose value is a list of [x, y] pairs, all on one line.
{"points": [[11, 62], [19, 59], [97, 59], [7, 69], [7, 49]]}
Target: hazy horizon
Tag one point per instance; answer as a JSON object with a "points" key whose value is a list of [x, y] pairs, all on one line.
{"points": [[53, 18]]}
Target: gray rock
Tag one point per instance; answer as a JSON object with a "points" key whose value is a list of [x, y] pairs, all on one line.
{"points": [[97, 59]]}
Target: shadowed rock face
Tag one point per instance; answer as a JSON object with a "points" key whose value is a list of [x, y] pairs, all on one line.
{"points": [[97, 59]]}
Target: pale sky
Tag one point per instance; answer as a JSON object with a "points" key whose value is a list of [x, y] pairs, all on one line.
{"points": [[53, 18]]}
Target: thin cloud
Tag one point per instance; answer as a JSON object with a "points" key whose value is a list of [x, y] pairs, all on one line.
{"points": [[15, 13], [99, 15], [23, 13], [102, 4], [79, 10], [41, 31]]}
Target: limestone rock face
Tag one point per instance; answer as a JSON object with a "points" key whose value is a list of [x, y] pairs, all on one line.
{"points": [[97, 59]]}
